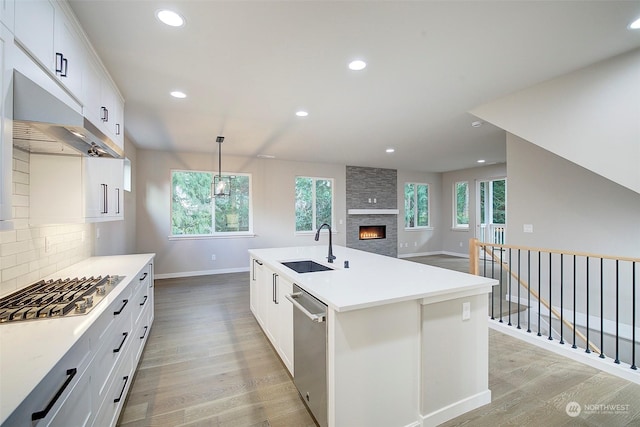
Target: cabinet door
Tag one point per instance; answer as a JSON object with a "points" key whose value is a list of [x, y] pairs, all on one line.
{"points": [[117, 124], [91, 95], [96, 187], [69, 55], [34, 29], [7, 13], [103, 179], [285, 323], [6, 147], [262, 299], [256, 271], [271, 294]]}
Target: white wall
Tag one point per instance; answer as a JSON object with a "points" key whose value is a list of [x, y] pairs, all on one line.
{"points": [[591, 117], [273, 184], [23, 256], [570, 207], [456, 241], [421, 242]]}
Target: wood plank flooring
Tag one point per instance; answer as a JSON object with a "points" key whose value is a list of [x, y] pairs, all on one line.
{"points": [[207, 363]]}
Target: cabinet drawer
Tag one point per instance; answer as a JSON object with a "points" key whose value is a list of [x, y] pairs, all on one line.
{"points": [[144, 329], [116, 348], [45, 403], [76, 409], [115, 395], [141, 301]]}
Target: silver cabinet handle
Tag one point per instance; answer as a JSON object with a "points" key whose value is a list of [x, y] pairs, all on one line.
{"points": [[320, 317]]}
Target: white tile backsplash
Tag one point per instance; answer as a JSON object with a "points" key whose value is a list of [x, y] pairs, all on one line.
{"points": [[25, 256]]}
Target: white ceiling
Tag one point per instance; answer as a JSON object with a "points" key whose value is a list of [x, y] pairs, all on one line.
{"points": [[248, 66]]}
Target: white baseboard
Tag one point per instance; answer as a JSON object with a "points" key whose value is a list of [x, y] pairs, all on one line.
{"points": [[200, 273], [458, 254], [419, 254], [456, 409]]}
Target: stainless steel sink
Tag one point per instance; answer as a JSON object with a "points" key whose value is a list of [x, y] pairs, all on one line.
{"points": [[306, 266]]}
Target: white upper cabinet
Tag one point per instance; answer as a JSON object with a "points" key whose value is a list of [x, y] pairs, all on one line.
{"points": [[69, 54], [48, 35], [102, 103], [6, 144], [34, 29], [66, 189], [7, 13]]}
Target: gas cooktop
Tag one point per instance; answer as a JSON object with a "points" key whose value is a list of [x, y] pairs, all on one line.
{"points": [[56, 298]]}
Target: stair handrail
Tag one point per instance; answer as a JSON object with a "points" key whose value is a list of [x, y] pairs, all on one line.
{"points": [[474, 268]]}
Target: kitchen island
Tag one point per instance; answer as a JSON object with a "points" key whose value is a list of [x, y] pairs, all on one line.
{"points": [[406, 344]]}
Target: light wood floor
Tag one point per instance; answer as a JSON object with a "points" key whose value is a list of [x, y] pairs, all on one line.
{"points": [[207, 363]]}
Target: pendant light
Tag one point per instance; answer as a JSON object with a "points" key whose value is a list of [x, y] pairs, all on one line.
{"points": [[221, 184]]}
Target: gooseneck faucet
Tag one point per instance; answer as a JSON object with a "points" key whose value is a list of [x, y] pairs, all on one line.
{"points": [[330, 257]]}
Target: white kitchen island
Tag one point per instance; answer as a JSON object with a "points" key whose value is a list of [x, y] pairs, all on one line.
{"points": [[398, 350]]}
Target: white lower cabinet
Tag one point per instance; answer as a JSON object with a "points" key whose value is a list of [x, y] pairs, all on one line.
{"points": [[89, 385], [272, 310]]}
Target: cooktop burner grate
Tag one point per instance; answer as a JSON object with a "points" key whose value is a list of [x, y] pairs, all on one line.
{"points": [[56, 298]]}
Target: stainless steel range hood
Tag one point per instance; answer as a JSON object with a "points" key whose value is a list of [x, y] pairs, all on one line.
{"points": [[44, 124]]}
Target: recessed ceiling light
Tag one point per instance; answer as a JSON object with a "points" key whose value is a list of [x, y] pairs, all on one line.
{"points": [[481, 161], [477, 124], [178, 94], [390, 150], [302, 113], [357, 65], [170, 18], [635, 25], [266, 156]]}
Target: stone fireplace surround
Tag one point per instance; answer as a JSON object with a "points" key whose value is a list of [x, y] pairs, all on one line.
{"points": [[372, 189]]}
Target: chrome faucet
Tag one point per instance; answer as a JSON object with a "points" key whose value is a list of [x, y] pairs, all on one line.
{"points": [[330, 257]]}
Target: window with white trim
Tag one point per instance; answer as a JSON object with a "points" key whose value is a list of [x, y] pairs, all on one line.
{"points": [[314, 203], [461, 205], [194, 212], [416, 205]]}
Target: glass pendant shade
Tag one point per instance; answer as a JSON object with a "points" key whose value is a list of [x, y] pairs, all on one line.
{"points": [[221, 186]]}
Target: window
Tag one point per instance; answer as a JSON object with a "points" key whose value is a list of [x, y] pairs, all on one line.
{"points": [[195, 213], [314, 202], [461, 208], [416, 205]]}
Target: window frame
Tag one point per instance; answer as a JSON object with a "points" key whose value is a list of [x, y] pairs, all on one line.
{"points": [[415, 206], [455, 225], [214, 234], [313, 204]]}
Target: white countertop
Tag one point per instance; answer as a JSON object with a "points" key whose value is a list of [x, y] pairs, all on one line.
{"points": [[30, 349], [371, 279]]}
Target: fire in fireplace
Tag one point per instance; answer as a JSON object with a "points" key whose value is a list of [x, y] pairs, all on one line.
{"points": [[369, 232]]}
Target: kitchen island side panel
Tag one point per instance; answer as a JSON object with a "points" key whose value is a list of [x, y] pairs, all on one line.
{"points": [[373, 366], [455, 361]]}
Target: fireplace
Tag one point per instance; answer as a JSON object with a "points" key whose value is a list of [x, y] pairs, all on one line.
{"points": [[371, 232]]}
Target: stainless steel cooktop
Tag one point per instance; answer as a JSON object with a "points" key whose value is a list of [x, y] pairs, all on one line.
{"points": [[56, 298]]}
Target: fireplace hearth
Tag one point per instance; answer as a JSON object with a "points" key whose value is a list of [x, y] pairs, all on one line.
{"points": [[372, 232]]}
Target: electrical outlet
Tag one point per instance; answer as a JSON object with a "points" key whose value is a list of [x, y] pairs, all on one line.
{"points": [[527, 228], [466, 310], [97, 232], [47, 244], [213, 257]]}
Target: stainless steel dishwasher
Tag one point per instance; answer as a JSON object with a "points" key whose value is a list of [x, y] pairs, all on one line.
{"points": [[310, 351]]}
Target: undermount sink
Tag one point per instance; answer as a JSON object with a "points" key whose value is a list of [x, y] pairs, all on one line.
{"points": [[306, 266]]}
